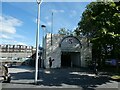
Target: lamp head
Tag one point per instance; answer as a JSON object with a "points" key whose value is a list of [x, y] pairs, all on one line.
{"points": [[39, 1], [43, 26]]}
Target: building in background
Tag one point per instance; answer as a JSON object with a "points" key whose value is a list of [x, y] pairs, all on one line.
{"points": [[16, 53]]}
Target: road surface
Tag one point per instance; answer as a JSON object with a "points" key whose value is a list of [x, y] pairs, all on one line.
{"points": [[23, 77]]}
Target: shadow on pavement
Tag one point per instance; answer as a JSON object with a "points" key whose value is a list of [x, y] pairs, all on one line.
{"points": [[67, 77], [61, 77]]}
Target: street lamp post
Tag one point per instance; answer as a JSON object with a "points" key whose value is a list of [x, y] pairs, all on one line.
{"points": [[44, 29], [44, 50], [37, 40]]}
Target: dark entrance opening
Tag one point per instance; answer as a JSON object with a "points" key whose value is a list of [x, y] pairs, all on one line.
{"points": [[65, 59], [70, 59]]}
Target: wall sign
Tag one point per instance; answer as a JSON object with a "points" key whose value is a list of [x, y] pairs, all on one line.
{"points": [[70, 42]]}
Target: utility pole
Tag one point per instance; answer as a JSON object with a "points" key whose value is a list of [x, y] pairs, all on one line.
{"points": [[37, 41], [51, 28]]}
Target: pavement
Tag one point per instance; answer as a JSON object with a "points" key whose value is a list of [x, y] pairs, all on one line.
{"points": [[75, 78]]}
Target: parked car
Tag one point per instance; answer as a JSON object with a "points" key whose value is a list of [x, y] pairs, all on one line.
{"points": [[4, 75]]}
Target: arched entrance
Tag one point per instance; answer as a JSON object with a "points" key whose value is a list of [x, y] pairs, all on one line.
{"points": [[70, 52]]}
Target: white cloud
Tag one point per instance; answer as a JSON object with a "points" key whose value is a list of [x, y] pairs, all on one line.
{"points": [[3, 36], [10, 36], [13, 42], [57, 11], [20, 43], [8, 30], [18, 36], [8, 24]]}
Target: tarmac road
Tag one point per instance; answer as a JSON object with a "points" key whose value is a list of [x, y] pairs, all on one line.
{"points": [[75, 78]]}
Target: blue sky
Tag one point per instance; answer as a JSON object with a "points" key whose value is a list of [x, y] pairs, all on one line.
{"points": [[19, 19]]}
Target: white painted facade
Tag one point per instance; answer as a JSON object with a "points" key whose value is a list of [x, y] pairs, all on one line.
{"points": [[68, 51]]}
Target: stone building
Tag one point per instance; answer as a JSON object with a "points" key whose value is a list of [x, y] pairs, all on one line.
{"points": [[67, 51]]}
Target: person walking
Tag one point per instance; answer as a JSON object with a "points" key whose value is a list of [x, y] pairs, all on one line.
{"points": [[50, 62], [95, 64]]}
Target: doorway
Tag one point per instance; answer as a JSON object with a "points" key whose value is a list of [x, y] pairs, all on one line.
{"points": [[70, 59], [65, 59]]}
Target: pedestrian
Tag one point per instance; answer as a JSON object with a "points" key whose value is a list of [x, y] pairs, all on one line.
{"points": [[95, 64], [5, 69], [50, 62]]}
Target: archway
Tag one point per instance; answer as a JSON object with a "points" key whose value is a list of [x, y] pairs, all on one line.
{"points": [[70, 52]]}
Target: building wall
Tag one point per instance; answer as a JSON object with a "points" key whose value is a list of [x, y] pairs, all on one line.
{"points": [[16, 55], [86, 51], [52, 51], [55, 50], [15, 52]]}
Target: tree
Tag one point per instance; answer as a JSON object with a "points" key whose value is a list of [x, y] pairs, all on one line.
{"points": [[64, 31], [100, 22]]}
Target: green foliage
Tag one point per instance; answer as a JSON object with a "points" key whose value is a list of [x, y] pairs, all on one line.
{"points": [[64, 31], [100, 22]]}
